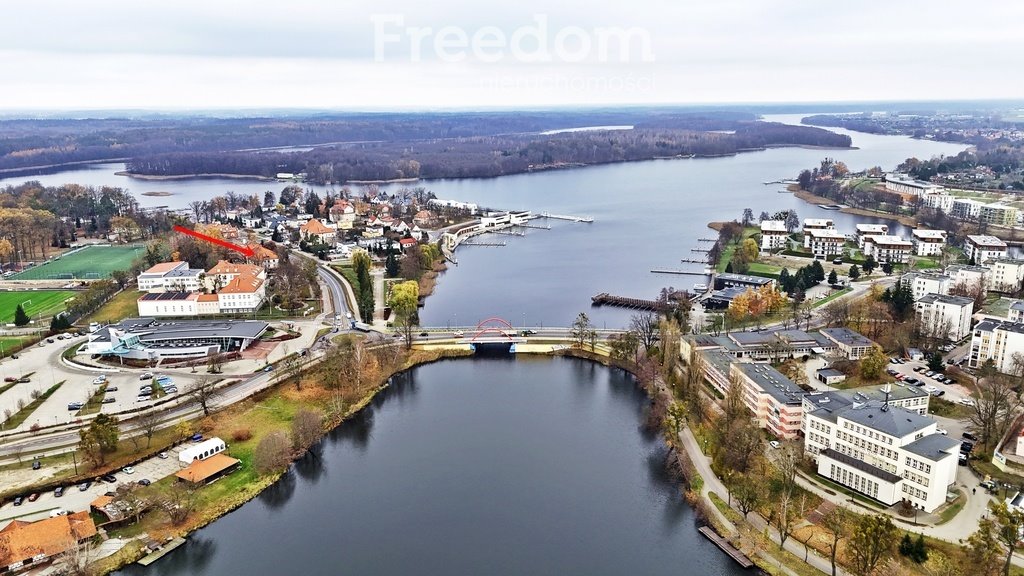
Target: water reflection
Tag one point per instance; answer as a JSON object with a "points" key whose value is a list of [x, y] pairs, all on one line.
{"points": [[311, 466], [279, 493]]}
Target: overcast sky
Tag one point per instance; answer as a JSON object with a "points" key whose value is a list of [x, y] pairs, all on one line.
{"points": [[357, 54]]}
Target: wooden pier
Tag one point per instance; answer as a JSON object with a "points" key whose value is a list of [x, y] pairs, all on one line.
{"points": [[534, 226], [726, 547], [510, 232], [585, 219], [705, 250], [481, 243], [161, 552], [692, 261], [606, 299], [706, 240], [679, 271]]}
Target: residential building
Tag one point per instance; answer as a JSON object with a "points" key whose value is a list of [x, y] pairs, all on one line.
{"points": [[941, 201], [865, 230], [943, 316], [243, 293], [909, 398], [315, 231], [928, 242], [885, 452], [824, 243], [921, 283], [852, 344], [981, 248], [265, 257], [715, 366], [466, 206], [1016, 314], [343, 214], [774, 399], [223, 272], [175, 276], [730, 280], [998, 341], [773, 234], [998, 215], [149, 339], [965, 209], [888, 249], [968, 275], [816, 224], [904, 184], [1007, 274], [424, 219], [26, 544]]}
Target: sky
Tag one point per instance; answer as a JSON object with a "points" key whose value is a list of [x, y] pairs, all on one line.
{"points": [[429, 54]]}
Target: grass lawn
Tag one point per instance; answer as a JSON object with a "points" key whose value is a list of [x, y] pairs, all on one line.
{"points": [[759, 268], [93, 262], [23, 414], [925, 264], [832, 296], [123, 305], [953, 509], [42, 303], [95, 402], [11, 344]]}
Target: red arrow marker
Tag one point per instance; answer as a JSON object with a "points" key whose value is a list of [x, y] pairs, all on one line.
{"points": [[247, 251]]}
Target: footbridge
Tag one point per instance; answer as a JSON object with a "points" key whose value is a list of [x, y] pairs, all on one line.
{"points": [[498, 335]]}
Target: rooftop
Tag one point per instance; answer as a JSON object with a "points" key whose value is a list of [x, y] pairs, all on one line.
{"points": [[149, 329], [986, 241], [315, 226], [888, 240], [22, 540], [164, 267], [826, 233], [891, 420], [773, 226], [847, 336], [947, 299], [743, 278], [200, 470], [861, 466], [225, 267], [242, 284], [990, 324], [934, 447], [166, 296], [772, 382], [929, 234], [817, 222], [869, 228], [952, 268]]}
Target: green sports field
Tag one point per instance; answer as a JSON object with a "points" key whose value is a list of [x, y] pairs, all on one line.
{"points": [[46, 303], [89, 263]]}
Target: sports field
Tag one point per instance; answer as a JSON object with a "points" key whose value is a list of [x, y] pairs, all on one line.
{"points": [[89, 263], [46, 303]]}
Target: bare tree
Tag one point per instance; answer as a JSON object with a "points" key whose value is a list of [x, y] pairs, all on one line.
{"points": [[272, 453], [306, 428], [75, 559], [205, 392], [645, 325], [178, 502], [995, 407], [147, 423], [837, 522]]}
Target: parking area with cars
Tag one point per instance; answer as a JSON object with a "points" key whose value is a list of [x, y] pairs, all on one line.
{"points": [[916, 373]]}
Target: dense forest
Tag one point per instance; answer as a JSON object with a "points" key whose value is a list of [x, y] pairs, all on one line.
{"points": [[387, 145], [493, 155]]}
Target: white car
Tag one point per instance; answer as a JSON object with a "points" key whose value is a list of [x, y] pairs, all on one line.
{"points": [[99, 379], [774, 444], [967, 401], [930, 389], [58, 512], [128, 470], [942, 431]]}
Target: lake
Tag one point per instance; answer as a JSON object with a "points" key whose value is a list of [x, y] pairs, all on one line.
{"points": [[491, 465]]}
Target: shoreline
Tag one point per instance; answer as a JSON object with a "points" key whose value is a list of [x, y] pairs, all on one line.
{"points": [[157, 178], [820, 200]]}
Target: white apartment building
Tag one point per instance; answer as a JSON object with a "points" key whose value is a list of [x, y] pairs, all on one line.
{"points": [[824, 242], [981, 248], [852, 344], [773, 234], [244, 293], [922, 283], [170, 277], [884, 452], [1007, 274], [996, 340], [940, 201], [928, 242], [904, 184], [774, 399], [967, 275], [965, 209], [816, 224], [1016, 312], [888, 249], [865, 230], [944, 316]]}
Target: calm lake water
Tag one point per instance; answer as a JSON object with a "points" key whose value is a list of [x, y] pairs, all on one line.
{"points": [[647, 215], [494, 465]]}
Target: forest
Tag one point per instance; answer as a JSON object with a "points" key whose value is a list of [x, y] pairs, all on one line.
{"points": [[371, 146]]}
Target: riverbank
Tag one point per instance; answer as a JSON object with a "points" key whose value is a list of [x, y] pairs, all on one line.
{"points": [[257, 417], [822, 201], [155, 177]]}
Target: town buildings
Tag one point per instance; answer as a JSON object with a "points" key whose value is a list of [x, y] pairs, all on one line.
{"points": [[824, 243], [970, 276], [998, 341], [153, 339], [24, 544], [816, 224], [773, 234], [1007, 274], [865, 230], [852, 344], [170, 276], [904, 184], [316, 232], [773, 399], [887, 248], [928, 242], [922, 283], [944, 317], [981, 248], [997, 214]]}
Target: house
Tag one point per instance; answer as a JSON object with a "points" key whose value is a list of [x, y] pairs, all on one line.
{"points": [[730, 280], [265, 257], [774, 399], [314, 231], [865, 230], [945, 317], [921, 283], [998, 341], [887, 248], [206, 470], [175, 276], [885, 452], [816, 224], [343, 214], [852, 344], [824, 243], [405, 243], [25, 544], [981, 248], [773, 234], [243, 293], [424, 219], [1007, 274], [251, 222], [223, 272], [928, 242]]}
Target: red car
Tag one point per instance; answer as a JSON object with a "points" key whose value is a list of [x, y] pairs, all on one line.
{"points": [[33, 497], [10, 379]]}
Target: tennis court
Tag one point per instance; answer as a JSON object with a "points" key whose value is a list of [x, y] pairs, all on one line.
{"points": [[89, 263], [45, 303]]}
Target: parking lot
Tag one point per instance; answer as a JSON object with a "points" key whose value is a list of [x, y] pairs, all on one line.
{"points": [[75, 500], [907, 372]]}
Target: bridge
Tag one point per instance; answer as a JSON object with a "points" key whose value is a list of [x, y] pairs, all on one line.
{"points": [[498, 334]]}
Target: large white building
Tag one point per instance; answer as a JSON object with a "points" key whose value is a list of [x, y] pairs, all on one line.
{"points": [[774, 399], [853, 345], [170, 276], [922, 283], [773, 234], [940, 201], [887, 453], [967, 275], [928, 242], [888, 249], [904, 184], [943, 316], [965, 209], [981, 248], [865, 230], [1007, 274], [824, 243], [153, 339], [998, 341], [816, 224]]}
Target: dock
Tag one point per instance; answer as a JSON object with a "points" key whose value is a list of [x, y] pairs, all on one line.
{"points": [[163, 551], [705, 250], [510, 232], [692, 261], [585, 219], [482, 243], [726, 547], [606, 299], [707, 240], [679, 271], [534, 226]]}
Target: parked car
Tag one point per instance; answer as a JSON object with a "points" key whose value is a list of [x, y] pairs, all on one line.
{"points": [[59, 491], [967, 447], [111, 388], [197, 437], [18, 500], [144, 482], [268, 368], [969, 436], [109, 400], [962, 459], [918, 368], [10, 379], [988, 485], [36, 464], [84, 486], [128, 470], [942, 431], [774, 444], [929, 373], [109, 478], [33, 497], [75, 406], [162, 456], [50, 340], [143, 398], [99, 380], [900, 376], [146, 376], [967, 402], [24, 380]]}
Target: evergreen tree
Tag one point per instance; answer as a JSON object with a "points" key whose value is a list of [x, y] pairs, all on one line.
{"points": [[786, 281], [833, 278], [887, 267], [391, 265], [854, 272], [20, 318], [818, 272], [728, 267], [59, 322], [870, 264]]}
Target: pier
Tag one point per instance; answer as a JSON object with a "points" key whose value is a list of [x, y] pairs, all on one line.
{"points": [[510, 232], [692, 261], [606, 299], [705, 250], [534, 226], [726, 547], [679, 271], [706, 240], [482, 243], [585, 219]]}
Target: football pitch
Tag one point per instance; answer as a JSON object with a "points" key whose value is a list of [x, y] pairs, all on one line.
{"points": [[89, 263], [45, 303]]}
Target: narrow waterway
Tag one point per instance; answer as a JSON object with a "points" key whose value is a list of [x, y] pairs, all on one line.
{"points": [[494, 465]]}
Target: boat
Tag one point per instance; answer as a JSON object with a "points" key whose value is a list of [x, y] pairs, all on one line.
{"points": [[700, 287]]}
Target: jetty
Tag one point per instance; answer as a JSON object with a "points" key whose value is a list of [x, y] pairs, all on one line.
{"points": [[679, 271], [585, 219], [482, 243], [705, 250], [606, 299], [706, 240], [510, 232], [534, 226], [161, 551], [692, 261], [726, 547]]}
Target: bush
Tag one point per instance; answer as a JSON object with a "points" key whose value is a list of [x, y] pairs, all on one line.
{"points": [[272, 453], [241, 435]]}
